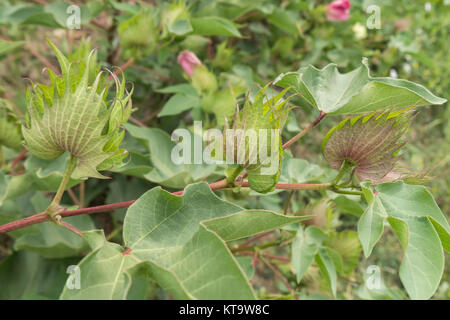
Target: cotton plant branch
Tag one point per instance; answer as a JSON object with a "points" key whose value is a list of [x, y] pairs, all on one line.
{"points": [[20, 157], [218, 185], [288, 143]]}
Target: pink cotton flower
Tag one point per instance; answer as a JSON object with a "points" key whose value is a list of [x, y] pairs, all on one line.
{"points": [[338, 10], [188, 61]]}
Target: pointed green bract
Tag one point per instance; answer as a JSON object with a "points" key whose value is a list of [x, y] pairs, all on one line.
{"points": [[72, 115], [356, 91], [265, 116]]}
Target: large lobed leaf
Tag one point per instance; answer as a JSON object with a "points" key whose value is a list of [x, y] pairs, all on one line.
{"points": [[354, 92], [180, 243]]}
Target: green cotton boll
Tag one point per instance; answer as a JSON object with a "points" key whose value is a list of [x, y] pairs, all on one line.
{"points": [[222, 104], [223, 57], [203, 80], [138, 36], [9, 129], [78, 120], [269, 114]]}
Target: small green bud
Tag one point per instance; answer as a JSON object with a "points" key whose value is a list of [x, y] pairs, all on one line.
{"points": [[222, 103], [138, 36], [203, 80], [223, 57], [175, 15]]}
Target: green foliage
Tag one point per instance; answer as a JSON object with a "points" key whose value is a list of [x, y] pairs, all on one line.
{"points": [[9, 130], [410, 211], [353, 92], [363, 217], [138, 35]]}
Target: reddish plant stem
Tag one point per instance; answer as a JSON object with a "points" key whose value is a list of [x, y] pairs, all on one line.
{"points": [[43, 216], [71, 228], [293, 186], [74, 198], [266, 255], [271, 256], [222, 184], [304, 131], [122, 68], [17, 159], [44, 61], [258, 236], [137, 122], [280, 276]]}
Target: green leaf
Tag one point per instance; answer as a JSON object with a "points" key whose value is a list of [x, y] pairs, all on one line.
{"points": [[421, 228], [165, 172], [26, 275], [304, 248], [250, 222], [61, 16], [175, 241], [24, 14], [444, 235], [102, 271], [346, 205], [299, 171], [8, 46], [371, 223], [404, 200], [285, 20], [356, 91], [423, 264], [14, 186], [214, 26], [167, 231], [180, 27], [327, 268], [126, 7], [246, 264], [179, 103]]}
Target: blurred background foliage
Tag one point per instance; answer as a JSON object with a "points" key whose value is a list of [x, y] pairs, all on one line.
{"points": [[242, 43]]}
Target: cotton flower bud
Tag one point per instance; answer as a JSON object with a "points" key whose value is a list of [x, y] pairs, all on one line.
{"points": [[369, 143], [138, 36], [188, 61], [72, 115], [338, 10]]}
